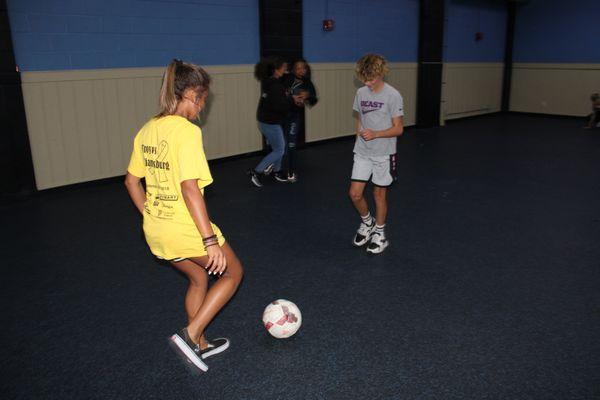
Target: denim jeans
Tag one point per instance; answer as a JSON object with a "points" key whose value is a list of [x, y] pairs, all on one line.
{"points": [[273, 133], [292, 128]]}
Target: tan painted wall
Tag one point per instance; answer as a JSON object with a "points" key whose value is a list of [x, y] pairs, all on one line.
{"points": [[471, 89], [336, 86], [562, 89], [82, 123]]}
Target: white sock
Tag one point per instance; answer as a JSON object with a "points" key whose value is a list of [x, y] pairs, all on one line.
{"points": [[379, 229], [367, 219]]}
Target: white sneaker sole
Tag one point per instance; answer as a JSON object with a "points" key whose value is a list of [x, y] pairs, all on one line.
{"points": [[269, 169], [188, 354], [215, 351], [379, 249], [256, 182]]}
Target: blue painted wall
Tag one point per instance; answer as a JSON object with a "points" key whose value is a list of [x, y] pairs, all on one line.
{"points": [[466, 17], [387, 27], [83, 34], [557, 31]]}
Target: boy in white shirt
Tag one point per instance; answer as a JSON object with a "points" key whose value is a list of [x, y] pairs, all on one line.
{"points": [[379, 112]]}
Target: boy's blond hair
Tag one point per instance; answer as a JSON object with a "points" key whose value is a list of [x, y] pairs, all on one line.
{"points": [[371, 66]]}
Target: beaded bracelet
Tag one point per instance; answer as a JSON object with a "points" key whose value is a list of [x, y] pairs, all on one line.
{"points": [[206, 246], [208, 239]]}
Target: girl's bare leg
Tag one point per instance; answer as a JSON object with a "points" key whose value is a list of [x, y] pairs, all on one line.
{"points": [[216, 297], [198, 285]]}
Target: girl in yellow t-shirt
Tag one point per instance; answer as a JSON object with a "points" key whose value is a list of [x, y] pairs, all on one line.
{"points": [[168, 154]]}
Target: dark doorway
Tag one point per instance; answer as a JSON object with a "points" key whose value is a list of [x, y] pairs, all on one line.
{"points": [[281, 35], [431, 52], [15, 154]]}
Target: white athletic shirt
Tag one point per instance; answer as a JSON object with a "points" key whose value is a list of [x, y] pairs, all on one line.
{"points": [[376, 111]]}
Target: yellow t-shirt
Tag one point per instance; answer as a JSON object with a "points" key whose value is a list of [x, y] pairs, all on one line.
{"points": [[167, 151]]}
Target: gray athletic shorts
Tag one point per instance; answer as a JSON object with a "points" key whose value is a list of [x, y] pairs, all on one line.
{"points": [[381, 170]]}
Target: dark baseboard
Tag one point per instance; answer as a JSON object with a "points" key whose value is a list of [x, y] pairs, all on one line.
{"points": [[450, 121], [529, 114]]}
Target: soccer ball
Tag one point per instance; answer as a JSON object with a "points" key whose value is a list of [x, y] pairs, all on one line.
{"points": [[282, 318]]}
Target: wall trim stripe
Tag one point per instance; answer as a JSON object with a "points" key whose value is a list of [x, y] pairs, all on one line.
{"points": [[121, 73], [561, 66]]}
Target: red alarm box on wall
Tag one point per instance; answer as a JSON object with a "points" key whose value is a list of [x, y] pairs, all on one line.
{"points": [[328, 25]]}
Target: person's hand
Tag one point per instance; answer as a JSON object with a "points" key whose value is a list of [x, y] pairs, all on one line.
{"points": [[217, 263], [298, 100], [368, 134]]}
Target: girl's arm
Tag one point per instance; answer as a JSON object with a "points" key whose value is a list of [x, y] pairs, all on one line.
{"points": [[279, 100], [136, 191], [197, 207], [312, 94]]}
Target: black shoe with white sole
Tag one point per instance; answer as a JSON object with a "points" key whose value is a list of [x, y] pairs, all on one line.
{"points": [[280, 177], [254, 178], [187, 350], [268, 170], [215, 346]]}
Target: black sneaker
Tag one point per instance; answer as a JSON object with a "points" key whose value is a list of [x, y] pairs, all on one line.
{"points": [[215, 346], [254, 178], [292, 178], [364, 232], [280, 177], [268, 170], [187, 349]]}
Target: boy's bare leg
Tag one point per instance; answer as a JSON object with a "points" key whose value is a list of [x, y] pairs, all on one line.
{"points": [[380, 196], [358, 199]]}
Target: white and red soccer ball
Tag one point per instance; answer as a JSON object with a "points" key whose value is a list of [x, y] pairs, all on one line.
{"points": [[282, 318]]}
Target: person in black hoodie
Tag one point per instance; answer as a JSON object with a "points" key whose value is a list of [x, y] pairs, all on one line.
{"points": [[273, 107], [298, 83]]}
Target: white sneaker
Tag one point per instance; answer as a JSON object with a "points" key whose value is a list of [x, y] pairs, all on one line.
{"points": [[378, 243], [363, 234]]}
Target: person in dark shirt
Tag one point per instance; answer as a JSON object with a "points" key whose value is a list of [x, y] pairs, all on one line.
{"points": [[298, 83], [273, 107]]}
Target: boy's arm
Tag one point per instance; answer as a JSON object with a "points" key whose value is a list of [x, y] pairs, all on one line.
{"points": [[357, 123], [397, 129]]}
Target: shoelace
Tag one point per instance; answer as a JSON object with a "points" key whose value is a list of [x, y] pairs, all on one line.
{"points": [[363, 229], [377, 238]]}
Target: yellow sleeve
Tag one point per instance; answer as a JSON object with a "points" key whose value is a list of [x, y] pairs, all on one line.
{"points": [[136, 163], [191, 158]]}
